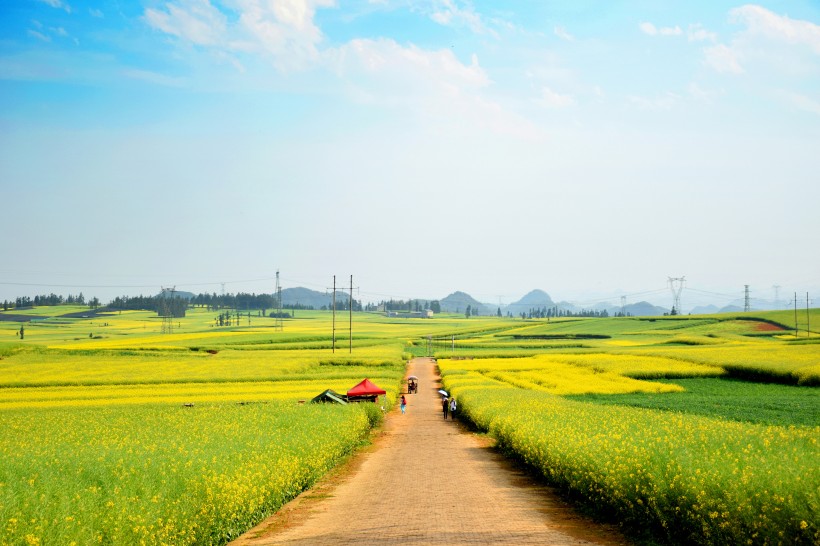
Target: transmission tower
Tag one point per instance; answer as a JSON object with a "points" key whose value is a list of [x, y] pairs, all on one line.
{"points": [[676, 286], [165, 310], [279, 324], [746, 306], [623, 306], [776, 296]]}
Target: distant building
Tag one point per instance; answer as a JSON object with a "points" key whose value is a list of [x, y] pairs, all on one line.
{"points": [[427, 313]]}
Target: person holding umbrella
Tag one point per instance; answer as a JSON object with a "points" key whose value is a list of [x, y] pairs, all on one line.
{"points": [[445, 403]]}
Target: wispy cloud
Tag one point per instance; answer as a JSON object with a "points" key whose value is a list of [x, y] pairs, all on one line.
{"points": [[762, 22], [723, 58], [763, 30], [801, 102], [450, 13], [650, 29], [553, 99], [57, 4], [696, 33], [562, 33], [194, 20], [39, 35]]}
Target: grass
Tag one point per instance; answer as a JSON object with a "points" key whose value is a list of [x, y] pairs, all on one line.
{"points": [[763, 403]]}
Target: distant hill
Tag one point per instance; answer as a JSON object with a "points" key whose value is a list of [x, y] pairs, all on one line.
{"points": [[644, 309], [306, 297], [535, 299], [705, 310], [731, 309], [457, 302]]}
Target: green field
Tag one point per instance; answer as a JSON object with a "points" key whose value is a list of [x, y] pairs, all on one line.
{"points": [[699, 429]]}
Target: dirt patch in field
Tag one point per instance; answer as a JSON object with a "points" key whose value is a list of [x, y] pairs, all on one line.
{"points": [[768, 327]]}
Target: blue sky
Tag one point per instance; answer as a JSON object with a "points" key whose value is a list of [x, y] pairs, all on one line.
{"points": [[590, 149]]}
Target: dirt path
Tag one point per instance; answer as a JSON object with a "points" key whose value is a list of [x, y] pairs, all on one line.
{"points": [[428, 481]]}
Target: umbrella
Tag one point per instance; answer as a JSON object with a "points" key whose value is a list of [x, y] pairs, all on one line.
{"points": [[413, 377], [442, 391]]}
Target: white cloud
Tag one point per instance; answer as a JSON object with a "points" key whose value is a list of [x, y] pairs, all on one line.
{"points": [[563, 34], [284, 30], [648, 28], [434, 85], [652, 30], [762, 22], [698, 93], [722, 58], [801, 102], [38, 35], [57, 4], [96, 13], [552, 99], [194, 20], [696, 33], [449, 13]]}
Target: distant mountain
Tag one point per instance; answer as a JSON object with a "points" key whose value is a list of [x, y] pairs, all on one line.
{"points": [[705, 310], [535, 299], [731, 309], [306, 297], [457, 302], [644, 309]]}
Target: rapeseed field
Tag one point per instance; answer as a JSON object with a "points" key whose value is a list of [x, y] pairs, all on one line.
{"points": [[113, 432]]}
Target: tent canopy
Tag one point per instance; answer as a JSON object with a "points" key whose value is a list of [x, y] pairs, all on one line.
{"points": [[329, 396], [366, 388]]}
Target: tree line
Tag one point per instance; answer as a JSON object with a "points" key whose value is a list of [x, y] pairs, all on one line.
{"points": [[557, 312]]}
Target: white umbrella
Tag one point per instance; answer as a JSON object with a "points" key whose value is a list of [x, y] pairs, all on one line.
{"points": [[442, 391]]}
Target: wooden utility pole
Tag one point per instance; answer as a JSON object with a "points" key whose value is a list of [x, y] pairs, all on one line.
{"points": [[351, 314], [334, 313], [808, 323], [795, 314]]}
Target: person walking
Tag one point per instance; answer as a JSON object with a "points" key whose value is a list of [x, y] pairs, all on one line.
{"points": [[453, 407], [403, 403], [445, 406]]}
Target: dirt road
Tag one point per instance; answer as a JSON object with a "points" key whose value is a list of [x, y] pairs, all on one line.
{"points": [[429, 481]]}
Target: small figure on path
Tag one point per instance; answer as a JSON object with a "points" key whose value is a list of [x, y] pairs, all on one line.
{"points": [[403, 403], [445, 405], [453, 407]]}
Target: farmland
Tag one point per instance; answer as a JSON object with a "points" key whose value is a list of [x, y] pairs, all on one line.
{"points": [[701, 429], [653, 421]]}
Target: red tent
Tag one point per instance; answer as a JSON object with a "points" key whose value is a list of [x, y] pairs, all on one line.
{"points": [[366, 388]]}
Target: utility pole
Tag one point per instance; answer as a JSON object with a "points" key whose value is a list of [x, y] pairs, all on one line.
{"points": [[776, 296], [278, 324], [676, 286], [334, 313], [746, 306], [350, 303], [165, 306], [808, 324], [795, 314]]}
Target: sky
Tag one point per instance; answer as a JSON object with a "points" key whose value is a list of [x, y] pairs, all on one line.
{"points": [[588, 149]]}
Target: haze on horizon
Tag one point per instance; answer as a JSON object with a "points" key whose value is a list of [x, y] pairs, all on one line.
{"points": [[424, 147]]}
